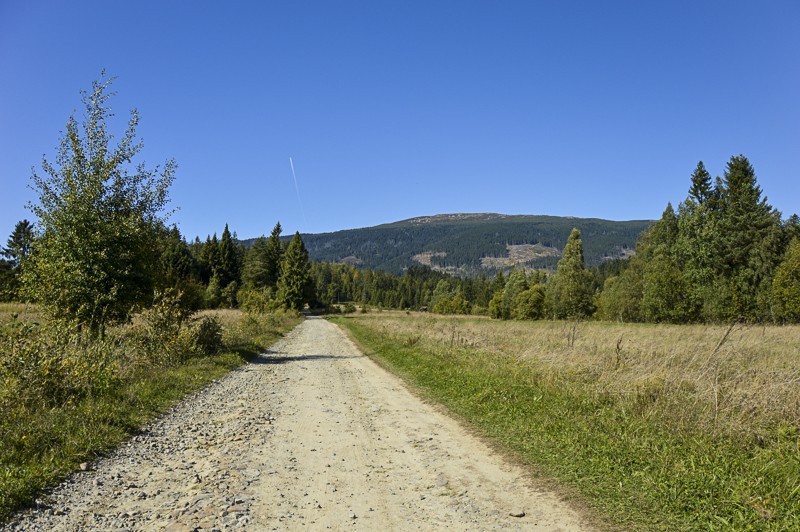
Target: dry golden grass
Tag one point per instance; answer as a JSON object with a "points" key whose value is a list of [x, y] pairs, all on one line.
{"points": [[228, 317], [730, 379], [25, 311]]}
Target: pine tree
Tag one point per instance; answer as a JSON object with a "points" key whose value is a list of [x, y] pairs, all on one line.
{"points": [[295, 286], [570, 292]]}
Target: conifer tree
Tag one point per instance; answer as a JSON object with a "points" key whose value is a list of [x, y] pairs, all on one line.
{"points": [[750, 244], [176, 259], [295, 286], [570, 292], [701, 189], [226, 268], [207, 258], [19, 243], [16, 250], [663, 288], [254, 269], [273, 257]]}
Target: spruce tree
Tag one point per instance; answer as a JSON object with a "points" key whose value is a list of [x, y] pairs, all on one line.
{"points": [[17, 249], [750, 244], [176, 259], [254, 269], [701, 189], [226, 268], [19, 243], [295, 286], [273, 257]]}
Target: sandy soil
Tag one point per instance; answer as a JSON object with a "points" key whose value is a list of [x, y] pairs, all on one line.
{"points": [[312, 435]]}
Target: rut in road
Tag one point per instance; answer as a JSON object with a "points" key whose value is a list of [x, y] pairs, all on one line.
{"points": [[315, 435]]}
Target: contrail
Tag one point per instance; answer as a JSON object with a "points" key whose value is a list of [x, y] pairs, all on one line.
{"points": [[297, 189]]}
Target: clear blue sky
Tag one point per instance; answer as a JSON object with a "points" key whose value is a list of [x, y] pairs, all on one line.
{"points": [[404, 108]]}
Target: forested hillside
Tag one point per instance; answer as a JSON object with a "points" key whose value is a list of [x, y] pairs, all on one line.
{"points": [[462, 243]]}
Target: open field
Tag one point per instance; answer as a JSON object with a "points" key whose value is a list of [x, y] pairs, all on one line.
{"points": [[660, 427]]}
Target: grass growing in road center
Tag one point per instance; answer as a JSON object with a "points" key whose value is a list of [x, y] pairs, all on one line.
{"points": [[635, 432]]}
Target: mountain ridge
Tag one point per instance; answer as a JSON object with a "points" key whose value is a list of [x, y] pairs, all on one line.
{"points": [[473, 243]]}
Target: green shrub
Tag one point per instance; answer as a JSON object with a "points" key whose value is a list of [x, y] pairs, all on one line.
{"points": [[51, 364], [207, 336]]}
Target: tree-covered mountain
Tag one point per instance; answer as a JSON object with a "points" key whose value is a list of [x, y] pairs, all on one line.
{"points": [[469, 244]]}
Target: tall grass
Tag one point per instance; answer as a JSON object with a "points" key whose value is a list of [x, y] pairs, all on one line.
{"points": [[663, 427], [64, 401]]}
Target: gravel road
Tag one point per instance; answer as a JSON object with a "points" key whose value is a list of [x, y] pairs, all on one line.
{"points": [[311, 435]]}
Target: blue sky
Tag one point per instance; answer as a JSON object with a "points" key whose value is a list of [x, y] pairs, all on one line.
{"points": [[398, 109]]}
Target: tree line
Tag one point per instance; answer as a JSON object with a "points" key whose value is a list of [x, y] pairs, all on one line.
{"points": [[101, 249]]}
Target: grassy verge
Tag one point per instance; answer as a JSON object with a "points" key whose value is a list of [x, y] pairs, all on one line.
{"points": [[632, 425], [42, 442]]}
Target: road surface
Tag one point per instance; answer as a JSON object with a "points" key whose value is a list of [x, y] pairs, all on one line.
{"points": [[312, 435]]}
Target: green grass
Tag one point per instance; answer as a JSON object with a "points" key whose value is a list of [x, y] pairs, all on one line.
{"points": [[638, 468], [39, 446]]}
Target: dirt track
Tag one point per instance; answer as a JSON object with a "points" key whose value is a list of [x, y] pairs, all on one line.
{"points": [[314, 435]]}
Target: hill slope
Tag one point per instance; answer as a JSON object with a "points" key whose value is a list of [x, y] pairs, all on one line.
{"points": [[468, 244]]}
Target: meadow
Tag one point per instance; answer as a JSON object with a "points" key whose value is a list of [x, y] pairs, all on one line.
{"points": [[651, 426]]}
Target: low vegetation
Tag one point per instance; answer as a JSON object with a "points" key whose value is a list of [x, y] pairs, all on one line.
{"points": [[65, 399], [657, 426]]}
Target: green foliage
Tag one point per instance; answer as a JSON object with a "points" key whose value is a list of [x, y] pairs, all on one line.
{"points": [[621, 297], [95, 256], [176, 261], [8, 281], [213, 295], [701, 188], [786, 286], [19, 244], [51, 365], [529, 304], [206, 336], [714, 261], [571, 293], [226, 267], [65, 398], [161, 324], [295, 287], [449, 300], [229, 294], [262, 261], [258, 300]]}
